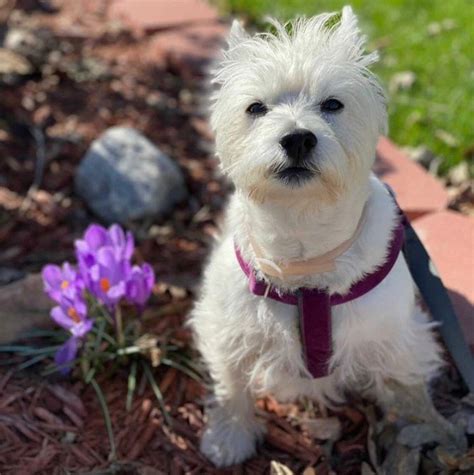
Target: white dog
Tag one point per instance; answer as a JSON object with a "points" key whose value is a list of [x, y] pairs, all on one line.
{"points": [[297, 116]]}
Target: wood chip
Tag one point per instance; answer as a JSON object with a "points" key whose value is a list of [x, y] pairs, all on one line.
{"points": [[68, 398], [77, 420], [143, 440], [46, 416], [168, 380]]}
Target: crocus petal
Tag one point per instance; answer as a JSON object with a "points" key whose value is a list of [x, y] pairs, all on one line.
{"points": [[117, 236], [94, 272], [129, 245], [82, 328], [61, 317], [95, 236], [51, 274], [149, 275], [66, 354], [106, 258], [121, 241], [140, 284], [117, 291], [52, 278]]}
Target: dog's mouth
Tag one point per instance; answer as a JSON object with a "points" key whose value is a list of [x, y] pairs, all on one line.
{"points": [[295, 175]]}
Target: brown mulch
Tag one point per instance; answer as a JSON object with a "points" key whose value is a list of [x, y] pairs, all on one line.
{"points": [[50, 427], [96, 75]]}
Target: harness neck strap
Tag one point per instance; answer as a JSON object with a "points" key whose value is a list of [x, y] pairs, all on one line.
{"points": [[314, 265]]}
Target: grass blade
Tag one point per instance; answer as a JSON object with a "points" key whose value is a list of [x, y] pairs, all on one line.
{"points": [[32, 361], [132, 384], [28, 350], [184, 369], [106, 414], [157, 392]]}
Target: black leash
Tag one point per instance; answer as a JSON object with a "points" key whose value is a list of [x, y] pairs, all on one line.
{"points": [[438, 302]]}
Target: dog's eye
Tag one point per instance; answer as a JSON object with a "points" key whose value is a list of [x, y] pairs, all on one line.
{"points": [[257, 108], [331, 105]]}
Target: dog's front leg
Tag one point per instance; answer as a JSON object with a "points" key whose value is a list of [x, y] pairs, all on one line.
{"points": [[232, 428]]}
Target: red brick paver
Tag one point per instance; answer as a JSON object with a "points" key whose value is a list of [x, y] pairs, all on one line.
{"points": [[190, 46], [150, 15], [418, 192], [449, 239]]}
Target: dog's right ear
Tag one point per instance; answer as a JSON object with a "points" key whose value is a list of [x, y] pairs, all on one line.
{"points": [[237, 34]]}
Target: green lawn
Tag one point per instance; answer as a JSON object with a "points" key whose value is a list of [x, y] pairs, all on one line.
{"points": [[432, 39]]}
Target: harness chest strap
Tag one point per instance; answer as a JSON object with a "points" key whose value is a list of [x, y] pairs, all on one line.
{"points": [[315, 304]]}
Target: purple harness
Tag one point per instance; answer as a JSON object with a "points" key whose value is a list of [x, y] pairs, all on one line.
{"points": [[314, 305]]}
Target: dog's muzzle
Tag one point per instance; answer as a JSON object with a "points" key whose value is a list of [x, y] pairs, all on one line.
{"points": [[298, 147]]}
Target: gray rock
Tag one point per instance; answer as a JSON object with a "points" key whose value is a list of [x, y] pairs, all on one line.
{"points": [[19, 313], [401, 461], [9, 275], [124, 177], [416, 435]]}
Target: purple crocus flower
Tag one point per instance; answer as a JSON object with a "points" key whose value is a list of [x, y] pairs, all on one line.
{"points": [[104, 261], [97, 237], [139, 285], [71, 314], [61, 281], [108, 276]]}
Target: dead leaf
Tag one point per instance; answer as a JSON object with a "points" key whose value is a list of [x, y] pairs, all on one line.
{"points": [[277, 468], [402, 81], [449, 139]]}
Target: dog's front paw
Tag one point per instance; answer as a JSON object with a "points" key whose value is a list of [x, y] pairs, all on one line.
{"points": [[227, 442]]}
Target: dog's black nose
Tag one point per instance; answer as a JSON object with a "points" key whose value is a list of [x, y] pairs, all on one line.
{"points": [[298, 144]]}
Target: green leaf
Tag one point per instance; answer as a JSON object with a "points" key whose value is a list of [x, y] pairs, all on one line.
{"points": [[107, 420], [32, 361], [132, 384], [157, 392], [184, 369]]}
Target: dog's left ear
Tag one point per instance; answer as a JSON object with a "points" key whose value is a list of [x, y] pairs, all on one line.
{"points": [[349, 34], [237, 34], [349, 20]]}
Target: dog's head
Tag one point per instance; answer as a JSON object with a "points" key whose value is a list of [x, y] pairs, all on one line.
{"points": [[298, 111]]}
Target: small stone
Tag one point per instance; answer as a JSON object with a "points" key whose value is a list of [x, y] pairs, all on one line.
{"points": [[69, 438], [324, 428], [124, 177]]}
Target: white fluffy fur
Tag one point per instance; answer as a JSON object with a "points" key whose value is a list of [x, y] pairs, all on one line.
{"points": [[251, 344]]}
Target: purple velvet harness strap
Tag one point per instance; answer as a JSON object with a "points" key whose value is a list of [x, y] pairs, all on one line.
{"points": [[314, 305]]}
